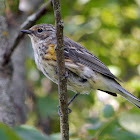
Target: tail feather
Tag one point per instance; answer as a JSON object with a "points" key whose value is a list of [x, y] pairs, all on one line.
{"points": [[129, 96]]}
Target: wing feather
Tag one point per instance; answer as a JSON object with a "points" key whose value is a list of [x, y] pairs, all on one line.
{"points": [[78, 53]]}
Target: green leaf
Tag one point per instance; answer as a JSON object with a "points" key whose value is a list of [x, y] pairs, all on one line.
{"points": [[95, 126], [113, 131], [124, 134], [7, 133], [130, 122], [30, 133], [47, 106], [93, 120], [108, 111], [56, 136]]}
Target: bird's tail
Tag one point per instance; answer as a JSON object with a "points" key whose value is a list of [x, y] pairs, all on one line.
{"points": [[129, 96]]}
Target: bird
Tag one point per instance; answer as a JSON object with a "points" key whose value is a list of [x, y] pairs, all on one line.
{"points": [[85, 71]]}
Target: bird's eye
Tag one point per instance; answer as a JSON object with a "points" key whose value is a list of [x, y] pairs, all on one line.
{"points": [[40, 30]]}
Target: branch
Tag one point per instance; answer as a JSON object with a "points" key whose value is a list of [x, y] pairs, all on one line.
{"points": [[62, 80], [27, 24]]}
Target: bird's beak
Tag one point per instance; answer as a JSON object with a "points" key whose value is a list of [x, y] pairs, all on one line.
{"points": [[27, 31]]}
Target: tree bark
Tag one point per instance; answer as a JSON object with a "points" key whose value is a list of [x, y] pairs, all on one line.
{"points": [[7, 110], [10, 86], [18, 84], [62, 80]]}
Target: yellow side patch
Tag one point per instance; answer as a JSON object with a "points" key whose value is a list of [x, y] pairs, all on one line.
{"points": [[51, 49], [50, 52]]}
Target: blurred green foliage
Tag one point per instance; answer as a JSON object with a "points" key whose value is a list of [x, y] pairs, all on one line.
{"points": [[111, 30]]}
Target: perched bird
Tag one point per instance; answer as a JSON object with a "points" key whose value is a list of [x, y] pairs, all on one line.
{"points": [[85, 71]]}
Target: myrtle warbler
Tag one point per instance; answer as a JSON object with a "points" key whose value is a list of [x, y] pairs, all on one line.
{"points": [[85, 71]]}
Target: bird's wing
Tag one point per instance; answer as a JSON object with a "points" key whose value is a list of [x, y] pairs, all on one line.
{"points": [[79, 54]]}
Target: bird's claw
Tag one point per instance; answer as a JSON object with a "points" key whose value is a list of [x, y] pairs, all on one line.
{"points": [[60, 114], [65, 75]]}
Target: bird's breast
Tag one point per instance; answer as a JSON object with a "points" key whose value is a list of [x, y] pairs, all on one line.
{"points": [[46, 61]]}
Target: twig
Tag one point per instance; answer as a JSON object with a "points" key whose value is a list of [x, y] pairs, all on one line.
{"points": [[27, 24], [62, 80]]}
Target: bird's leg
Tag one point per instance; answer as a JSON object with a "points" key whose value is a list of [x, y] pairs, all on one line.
{"points": [[69, 110], [73, 98]]}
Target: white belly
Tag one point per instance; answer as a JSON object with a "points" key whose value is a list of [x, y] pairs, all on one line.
{"points": [[47, 68]]}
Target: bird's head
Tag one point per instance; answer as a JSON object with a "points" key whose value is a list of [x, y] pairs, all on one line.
{"points": [[40, 32]]}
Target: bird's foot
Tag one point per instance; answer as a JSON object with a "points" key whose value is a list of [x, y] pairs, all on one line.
{"points": [[65, 75], [59, 112]]}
